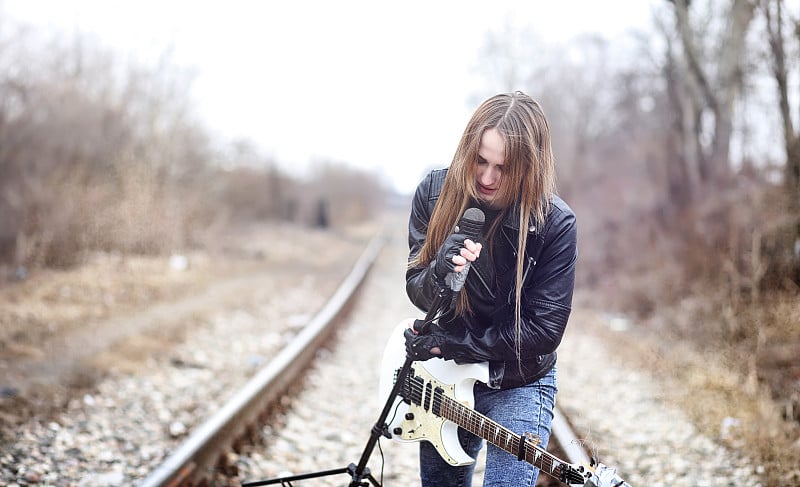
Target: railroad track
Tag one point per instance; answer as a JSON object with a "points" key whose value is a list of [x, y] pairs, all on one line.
{"points": [[205, 455]]}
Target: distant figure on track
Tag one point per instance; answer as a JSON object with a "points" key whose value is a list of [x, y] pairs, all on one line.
{"points": [[513, 308]]}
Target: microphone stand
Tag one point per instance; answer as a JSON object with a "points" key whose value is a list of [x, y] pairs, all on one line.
{"points": [[360, 472]]}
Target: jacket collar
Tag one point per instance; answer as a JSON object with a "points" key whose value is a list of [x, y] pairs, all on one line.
{"points": [[511, 220]]}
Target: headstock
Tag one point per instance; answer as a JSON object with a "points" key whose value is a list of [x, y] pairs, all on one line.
{"points": [[604, 476]]}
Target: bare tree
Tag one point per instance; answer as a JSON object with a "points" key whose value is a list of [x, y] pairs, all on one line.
{"points": [[510, 58], [707, 98], [776, 20]]}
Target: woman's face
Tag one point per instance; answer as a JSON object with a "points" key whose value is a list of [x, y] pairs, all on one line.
{"points": [[491, 157]]}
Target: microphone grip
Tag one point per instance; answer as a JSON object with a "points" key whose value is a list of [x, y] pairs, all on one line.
{"points": [[471, 226], [455, 280]]}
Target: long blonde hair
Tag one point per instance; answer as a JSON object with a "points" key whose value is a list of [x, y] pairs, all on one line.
{"points": [[527, 182]]}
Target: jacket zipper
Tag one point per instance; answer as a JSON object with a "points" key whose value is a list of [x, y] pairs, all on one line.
{"points": [[485, 284], [527, 266], [524, 277]]}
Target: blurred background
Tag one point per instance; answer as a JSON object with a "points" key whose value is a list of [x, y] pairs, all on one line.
{"points": [[150, 127]]}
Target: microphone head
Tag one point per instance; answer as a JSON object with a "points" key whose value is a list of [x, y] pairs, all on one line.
{"points": [[471, 223]]}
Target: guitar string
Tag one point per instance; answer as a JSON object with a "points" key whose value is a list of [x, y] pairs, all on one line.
{"points": [[479, 424], [548, 463], [458, 412]]}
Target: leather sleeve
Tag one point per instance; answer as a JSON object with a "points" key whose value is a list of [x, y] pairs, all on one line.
{"points": [[421, 286], [546, 303]]}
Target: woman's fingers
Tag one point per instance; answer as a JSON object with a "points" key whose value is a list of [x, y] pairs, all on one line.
{"points": [[469, 252]]}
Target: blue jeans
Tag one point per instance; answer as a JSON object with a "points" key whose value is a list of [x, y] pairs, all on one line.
{"points": [[526, 409]]}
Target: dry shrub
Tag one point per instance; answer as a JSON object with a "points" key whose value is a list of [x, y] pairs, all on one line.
{"points": [[715, 288], [70, 218], [251, 194], [138, 216], [99, 156], [338, 194], [747, 420], [710, 385]]}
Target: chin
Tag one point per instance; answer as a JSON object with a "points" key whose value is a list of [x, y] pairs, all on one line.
{"points": [[491, 202]]}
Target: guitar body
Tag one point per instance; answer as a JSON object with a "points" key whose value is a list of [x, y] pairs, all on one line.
{"points": [[456, 381]]}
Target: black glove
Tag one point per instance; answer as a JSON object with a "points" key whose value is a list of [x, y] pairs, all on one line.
{"points": [[418, 347], [444, 256]]}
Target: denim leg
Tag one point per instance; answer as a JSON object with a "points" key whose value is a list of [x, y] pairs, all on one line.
{"points": [[436, 472], [526, 409]]}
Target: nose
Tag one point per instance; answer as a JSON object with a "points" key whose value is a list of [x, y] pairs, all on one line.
{"points": [[488, 176]]}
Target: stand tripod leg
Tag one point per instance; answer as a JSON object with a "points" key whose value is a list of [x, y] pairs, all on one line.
{"points": [[357, 472], [380, 424], [288, 480]]}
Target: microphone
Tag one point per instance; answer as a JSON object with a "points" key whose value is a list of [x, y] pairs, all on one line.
{"points": [[471, 225]]}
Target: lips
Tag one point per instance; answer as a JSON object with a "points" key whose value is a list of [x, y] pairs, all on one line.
{"points": [[484, 190]]}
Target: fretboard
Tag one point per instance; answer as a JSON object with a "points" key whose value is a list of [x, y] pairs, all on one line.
{"points": [[497, 435]]}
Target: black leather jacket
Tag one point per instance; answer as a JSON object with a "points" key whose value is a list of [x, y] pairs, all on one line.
{"points": [[489, 334]]}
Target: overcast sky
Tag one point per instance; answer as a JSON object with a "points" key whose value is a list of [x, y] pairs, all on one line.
{"points": [[380, 85]]}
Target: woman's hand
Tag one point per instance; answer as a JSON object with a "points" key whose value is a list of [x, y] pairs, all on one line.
{"points": [[454, 254], [468, 253], [422, 347]]}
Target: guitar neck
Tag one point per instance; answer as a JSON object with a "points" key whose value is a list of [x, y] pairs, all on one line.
{"points": [[501, 437]]}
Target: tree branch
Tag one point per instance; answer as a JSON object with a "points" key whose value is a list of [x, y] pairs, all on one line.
{"points": [[690, 51], [776, 43]]}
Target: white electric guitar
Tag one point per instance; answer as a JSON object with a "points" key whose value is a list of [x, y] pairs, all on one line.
{"points": [[436, 399]]}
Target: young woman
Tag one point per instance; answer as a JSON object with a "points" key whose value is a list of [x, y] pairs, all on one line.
{"points": [[515, 303]]}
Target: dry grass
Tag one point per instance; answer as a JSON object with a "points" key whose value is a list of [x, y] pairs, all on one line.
{"points": [[52, 302], [716, 388], [56, 301]]}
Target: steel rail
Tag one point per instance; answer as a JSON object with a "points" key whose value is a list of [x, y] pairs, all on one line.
{"points": [[194, 461], [567, 440]]}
